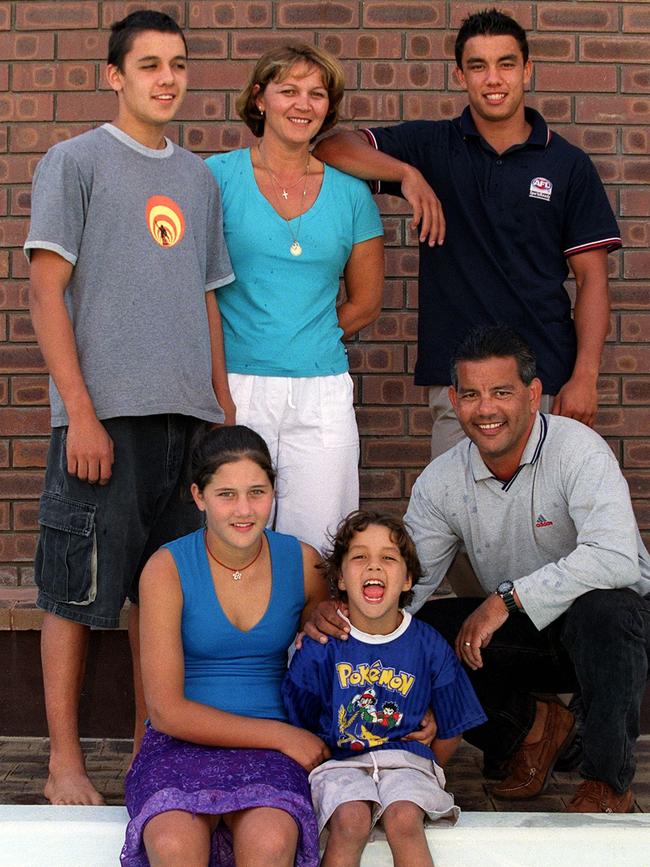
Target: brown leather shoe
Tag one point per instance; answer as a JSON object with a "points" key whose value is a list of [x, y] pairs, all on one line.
{"points": [[531, 766], [592, 796]]}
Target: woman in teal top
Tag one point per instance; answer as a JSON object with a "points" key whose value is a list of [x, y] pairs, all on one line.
{"points": [[293, 226]]}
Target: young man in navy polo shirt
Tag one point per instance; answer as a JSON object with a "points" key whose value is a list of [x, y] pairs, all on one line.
{"points": [[522, 206]]}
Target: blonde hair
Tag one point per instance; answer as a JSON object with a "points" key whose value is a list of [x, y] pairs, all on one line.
{"points": [[275, 65]]}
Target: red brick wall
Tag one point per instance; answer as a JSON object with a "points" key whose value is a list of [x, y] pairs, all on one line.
{"points": [[591, 81]]}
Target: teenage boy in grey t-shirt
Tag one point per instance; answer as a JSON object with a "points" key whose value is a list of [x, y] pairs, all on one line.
{"points": [[126, 247]]}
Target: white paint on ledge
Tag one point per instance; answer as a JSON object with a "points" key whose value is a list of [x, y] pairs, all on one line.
{"points": [[33, 836]]}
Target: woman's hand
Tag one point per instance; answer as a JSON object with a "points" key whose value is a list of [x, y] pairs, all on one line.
{"points": [[324, 621], [303, 747]]}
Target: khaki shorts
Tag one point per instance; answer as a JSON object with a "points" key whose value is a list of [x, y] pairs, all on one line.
{"points": [[381, 777]]}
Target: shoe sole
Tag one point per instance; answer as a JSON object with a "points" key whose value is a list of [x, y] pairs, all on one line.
{"points": [[505, 796]]}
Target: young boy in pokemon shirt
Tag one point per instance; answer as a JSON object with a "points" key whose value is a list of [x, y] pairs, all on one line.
{"points": [[363, 696]]}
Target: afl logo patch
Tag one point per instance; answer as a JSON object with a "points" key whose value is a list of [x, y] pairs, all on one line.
{"points": [[540, 188], [165, 221]]}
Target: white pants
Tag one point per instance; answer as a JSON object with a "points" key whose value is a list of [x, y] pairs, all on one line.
{"points": [[311, 430]]}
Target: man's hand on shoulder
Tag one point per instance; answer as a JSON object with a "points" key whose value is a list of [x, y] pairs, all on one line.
{"points": [[325, 621], [578, 399], [477, 631], [89, 450], [427, 210]]}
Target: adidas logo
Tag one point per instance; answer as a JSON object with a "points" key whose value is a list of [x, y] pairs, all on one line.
{"points": [[542, 522]]}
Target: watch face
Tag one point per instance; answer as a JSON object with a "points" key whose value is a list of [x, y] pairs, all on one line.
{"points": [[505, 587]]}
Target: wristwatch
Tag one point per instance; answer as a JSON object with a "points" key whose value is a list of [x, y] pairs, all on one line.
{"points": [[505, 591]]}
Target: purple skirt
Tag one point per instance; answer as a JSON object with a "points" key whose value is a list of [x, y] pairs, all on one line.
{"points": [[170, 774]]}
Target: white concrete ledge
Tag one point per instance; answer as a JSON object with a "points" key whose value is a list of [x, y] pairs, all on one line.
{"points": [[34, 836]]}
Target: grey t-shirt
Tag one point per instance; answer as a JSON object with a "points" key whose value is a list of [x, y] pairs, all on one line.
{"points": [[143, 230]]}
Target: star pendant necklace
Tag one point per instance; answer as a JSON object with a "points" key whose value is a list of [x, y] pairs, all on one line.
{"points": [[295, 249], [236, 573]]}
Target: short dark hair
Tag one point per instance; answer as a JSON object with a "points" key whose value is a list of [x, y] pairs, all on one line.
{"points": [[357, 522], [490, 341], [489, 22], [124, 32], [215, 446]]}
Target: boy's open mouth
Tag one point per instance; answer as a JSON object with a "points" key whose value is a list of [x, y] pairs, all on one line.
{"points": [[373, 590]]}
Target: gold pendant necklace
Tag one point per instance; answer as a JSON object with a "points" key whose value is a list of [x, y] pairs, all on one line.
{"points": [[295, 249]]}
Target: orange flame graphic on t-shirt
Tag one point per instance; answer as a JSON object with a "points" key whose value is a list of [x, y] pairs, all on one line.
{"points": [[165, 221]]}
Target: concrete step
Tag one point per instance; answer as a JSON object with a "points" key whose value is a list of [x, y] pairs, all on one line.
{"points": [[81, 836]]}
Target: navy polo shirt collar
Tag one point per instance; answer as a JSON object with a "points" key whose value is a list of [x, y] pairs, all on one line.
{"points": [[540, 134]]}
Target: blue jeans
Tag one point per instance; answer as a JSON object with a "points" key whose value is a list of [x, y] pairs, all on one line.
{"points": [[599, 647]]}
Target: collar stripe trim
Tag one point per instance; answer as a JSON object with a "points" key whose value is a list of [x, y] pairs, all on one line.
{"points": [[375, 186], [610, 243], [538, 450]]}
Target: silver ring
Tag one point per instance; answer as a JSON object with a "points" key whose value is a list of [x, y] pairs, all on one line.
{"points": [[467, 643]]}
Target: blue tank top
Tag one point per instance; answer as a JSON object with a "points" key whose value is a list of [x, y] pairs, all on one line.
{"points": [[235, 671]]}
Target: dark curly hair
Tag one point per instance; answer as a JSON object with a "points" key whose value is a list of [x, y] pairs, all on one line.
{"points": [[357, 522]]}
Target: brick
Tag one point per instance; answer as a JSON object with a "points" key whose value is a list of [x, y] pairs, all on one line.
{"points": [[4, 138], [635, 202], [619, 421], [20, 201], [642, 513], [430, 46], [24, 421], [25, 516], [625, 359], [204, 75], [635, 233], [392, 326], [4, 390], [4, 516], [209, 139], [115, 11], [54, 76], [386, 507], [29, 390], [612, 109], [82, 45], [4, 266], [391, 390], [241, 13], [4, 76], [572, 78], [520, 11], [9, 577], [382, 420], [318, 14], [380, 483], [86, 106], [393, 235], [16, 169], [5, 16], [207, 45], [405, 16], [28, 107], [387, 43], [38, 138], [636, 140], [402, 76], [29, 452], [551, 47], [20, 326], [636, 265], [56, 16], [393, 294], [386, 358], [612, 49], [12, 232], [4, 453], [636, 453], [13, 296], [395, 452], [594, 140], [419, 421], [402, 262], [250, 44], [584, 16], [635, 328], [636, 390], [636, 19], [375, 107], [556, 109], [15, 547], [635, 79], [609, 388], [203, 106], [18, 265]]}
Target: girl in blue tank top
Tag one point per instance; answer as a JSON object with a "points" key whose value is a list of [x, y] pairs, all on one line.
{"points": [[221, 776]]}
